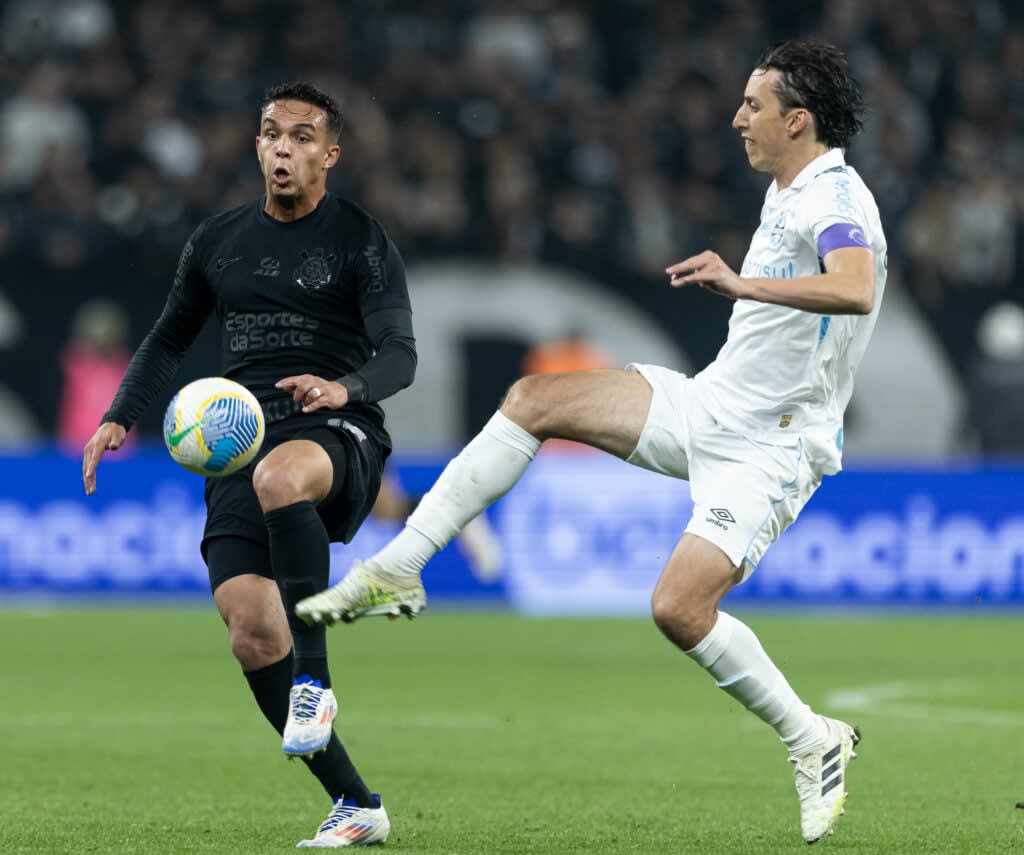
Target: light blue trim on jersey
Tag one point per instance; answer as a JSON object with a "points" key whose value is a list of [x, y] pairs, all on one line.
{"points": [[773, 502], [839, 438], [823, 328]]}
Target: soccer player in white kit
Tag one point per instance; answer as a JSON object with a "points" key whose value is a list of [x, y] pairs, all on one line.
{"points": [[754, 432]]}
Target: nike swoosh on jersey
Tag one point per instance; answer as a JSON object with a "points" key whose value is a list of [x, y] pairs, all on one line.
{"points": [[221, 263]]}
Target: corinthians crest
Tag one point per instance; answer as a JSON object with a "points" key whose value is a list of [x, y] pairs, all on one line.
{"points": [[315, 269]]}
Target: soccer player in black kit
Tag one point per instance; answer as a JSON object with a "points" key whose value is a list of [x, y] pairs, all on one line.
{"points": [[315, 320]]}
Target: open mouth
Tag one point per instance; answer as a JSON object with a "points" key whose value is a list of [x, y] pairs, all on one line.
{"points": [[281, 175]]}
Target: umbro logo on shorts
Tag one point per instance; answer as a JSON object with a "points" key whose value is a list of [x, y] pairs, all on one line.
{"points": [[723, 515], [831, 773]]}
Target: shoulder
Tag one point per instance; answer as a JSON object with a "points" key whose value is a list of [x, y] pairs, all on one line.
{"points": [[227, 221], [353, 220], [835, 192], [226, 224]]}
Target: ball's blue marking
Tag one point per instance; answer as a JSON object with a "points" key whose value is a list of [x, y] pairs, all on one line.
{"points": [[230, 428]]}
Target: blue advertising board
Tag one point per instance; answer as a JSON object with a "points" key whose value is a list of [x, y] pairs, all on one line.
{"points": [[582, 534]]}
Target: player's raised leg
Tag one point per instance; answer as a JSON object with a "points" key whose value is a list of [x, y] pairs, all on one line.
{"points": [[289, 482], [606, 409], [685, 609]]}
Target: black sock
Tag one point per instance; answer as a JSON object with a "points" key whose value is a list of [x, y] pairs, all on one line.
{"points": [[300, 553], [332, 768]]}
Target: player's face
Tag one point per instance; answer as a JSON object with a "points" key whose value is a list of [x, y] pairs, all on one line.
{"points": [[294, 149], [762, 122]]}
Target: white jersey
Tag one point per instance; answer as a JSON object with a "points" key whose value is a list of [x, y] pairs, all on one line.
{"points": [[786, 375]]}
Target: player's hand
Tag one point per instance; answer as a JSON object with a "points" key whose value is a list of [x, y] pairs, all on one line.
{"points": [[109, 436], [709, 271], [314, 392]]}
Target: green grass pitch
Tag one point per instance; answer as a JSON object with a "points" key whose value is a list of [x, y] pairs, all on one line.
{"points": [[131, 730]]}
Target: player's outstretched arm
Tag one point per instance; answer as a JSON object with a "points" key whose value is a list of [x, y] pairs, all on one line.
{"points": [[109, 436], [846, 287]]}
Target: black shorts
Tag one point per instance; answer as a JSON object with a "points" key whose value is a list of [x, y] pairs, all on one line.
{"points": [[235, 539]]}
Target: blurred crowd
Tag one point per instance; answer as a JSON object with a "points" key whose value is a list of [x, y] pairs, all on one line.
{"points": [[589, 134]]}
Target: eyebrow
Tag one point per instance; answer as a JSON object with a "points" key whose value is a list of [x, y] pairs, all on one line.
{"points": [[302, 125]]}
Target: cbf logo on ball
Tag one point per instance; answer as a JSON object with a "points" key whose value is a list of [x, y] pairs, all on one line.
{"points": [[214, 426]]}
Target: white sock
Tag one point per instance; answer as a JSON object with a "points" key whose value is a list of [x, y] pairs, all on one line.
{"points": [[732, 655], [484, 471]]}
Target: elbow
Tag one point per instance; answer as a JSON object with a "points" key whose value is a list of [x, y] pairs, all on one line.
{"points": [[865, 305], [864, 302], [410, 373]]}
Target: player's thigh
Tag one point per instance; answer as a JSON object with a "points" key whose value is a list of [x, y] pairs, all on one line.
{"points": [[357, 461], [297, 470], [604, 408], [246, 596], [235, 539], [746, 494]]}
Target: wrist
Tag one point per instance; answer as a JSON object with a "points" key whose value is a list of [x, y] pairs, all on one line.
{"points": [[354, 385]]}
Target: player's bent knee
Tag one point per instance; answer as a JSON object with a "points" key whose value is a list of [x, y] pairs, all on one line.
{"points": [[277, 486], [682, 621], [256, 646], [527, 404]]}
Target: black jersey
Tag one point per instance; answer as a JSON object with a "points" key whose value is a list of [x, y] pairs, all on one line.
{"points": [[324, 295]]}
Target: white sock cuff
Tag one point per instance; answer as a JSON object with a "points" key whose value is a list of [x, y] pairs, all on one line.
{"points": [[715, 643], [506, 431]]}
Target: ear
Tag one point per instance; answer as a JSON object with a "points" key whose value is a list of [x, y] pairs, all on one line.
{"points": [[798, 121], [332, 155]]}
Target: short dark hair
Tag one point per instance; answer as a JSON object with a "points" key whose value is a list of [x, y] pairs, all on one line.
{"points": [[307, 93], [816, 76]]}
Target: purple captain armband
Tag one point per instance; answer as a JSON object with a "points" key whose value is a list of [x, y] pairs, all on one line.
{"points": [[840, 236]]}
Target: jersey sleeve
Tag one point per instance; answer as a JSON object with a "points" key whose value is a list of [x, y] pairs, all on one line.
{"points": [[158, 358], [829, 217], [387, 314]]}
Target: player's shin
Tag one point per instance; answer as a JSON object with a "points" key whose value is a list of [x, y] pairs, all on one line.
{"points": [[483, 472], [301, 558], [732, 655]]}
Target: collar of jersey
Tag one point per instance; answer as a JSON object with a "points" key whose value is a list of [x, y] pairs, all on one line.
{"points": [[829, 160], [312, 216]]}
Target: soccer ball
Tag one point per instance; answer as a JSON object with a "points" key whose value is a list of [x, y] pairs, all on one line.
{"points": [[214, 426]]}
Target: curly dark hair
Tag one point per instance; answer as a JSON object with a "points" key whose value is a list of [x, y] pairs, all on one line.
{"points": [[816, 76], [307, 93]]}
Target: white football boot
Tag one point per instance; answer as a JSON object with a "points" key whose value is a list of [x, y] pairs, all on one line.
{"points": [[366, 590], [350, 825], [820, 776], [311, 712]]}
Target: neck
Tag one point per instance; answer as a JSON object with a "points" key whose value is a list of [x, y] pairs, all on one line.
{"points": [[795, 165], [287, 210]]}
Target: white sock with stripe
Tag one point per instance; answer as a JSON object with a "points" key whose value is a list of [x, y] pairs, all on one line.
{"points": [[732, 655], [482, 472]]}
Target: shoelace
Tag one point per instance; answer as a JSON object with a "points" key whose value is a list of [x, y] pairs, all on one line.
{"points": [[803, 770], [305, 701], [340, 813]]}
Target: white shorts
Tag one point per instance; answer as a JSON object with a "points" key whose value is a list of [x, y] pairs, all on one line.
{"points": [[745, 493]]}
